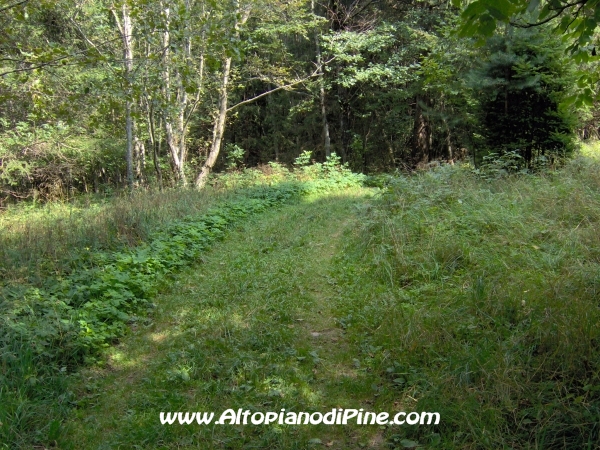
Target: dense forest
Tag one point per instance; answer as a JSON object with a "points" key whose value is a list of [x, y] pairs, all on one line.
{"points": [[97, 95], [299, 206]]}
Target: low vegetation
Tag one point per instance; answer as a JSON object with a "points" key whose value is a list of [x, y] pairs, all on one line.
{"points": [[480, 299], [62, 317], [470, 293]]}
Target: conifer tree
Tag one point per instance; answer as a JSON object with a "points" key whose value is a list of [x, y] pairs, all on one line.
{"points": [[522, 87]]}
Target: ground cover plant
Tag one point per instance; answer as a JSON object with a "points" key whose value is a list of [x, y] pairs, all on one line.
{"points": [[449, 291], [484, 304]]}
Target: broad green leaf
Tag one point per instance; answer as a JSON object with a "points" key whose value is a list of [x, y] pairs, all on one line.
{"points": [[497, 14], [504, 7], [545, 12], [469, 29], [475, 8], [488, 25]]}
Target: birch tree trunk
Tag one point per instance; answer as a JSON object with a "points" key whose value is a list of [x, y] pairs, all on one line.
{"points": [[218, 128], [155, 142], [126, 30], [170, 133], [324, 122], [219, 125], [177, 110], [183, 100]]}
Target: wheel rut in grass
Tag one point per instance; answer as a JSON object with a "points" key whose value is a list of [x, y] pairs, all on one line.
{"points": [[254, 327]]}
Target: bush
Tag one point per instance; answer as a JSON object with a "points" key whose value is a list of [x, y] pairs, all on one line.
{"points": [[51, 162]]}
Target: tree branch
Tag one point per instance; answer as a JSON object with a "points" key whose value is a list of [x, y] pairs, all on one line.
{"points": [[316, 73], [558, 12], [39, 66], [13, 5], [114, 13], [50, 63]]}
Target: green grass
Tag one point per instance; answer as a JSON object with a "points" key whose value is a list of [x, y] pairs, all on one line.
{"points": [[481, 300], [476, 298], [251, 327], [54, 322], [36, 241]]}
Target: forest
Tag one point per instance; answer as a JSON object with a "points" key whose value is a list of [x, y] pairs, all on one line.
{"points": [[299, 205]]}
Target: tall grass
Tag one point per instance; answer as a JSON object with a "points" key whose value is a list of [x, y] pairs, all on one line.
{"points": [[481, 299], [43, 240]]}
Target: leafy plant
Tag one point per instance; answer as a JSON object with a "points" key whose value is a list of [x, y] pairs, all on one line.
{"points": [[496, 165], [235, 156], [303, 159]]}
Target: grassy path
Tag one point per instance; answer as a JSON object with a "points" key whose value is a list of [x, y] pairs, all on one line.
{"points": [[253, 327], [472, 298]]}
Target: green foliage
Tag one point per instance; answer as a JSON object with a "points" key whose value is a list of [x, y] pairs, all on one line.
{"points": [[371, 58], [521, 90], [315, 177], [99, 300], [303, 159], [235, 156], [577, 21], [574, 22], [51, 162], [496, 165], [330, 175]]}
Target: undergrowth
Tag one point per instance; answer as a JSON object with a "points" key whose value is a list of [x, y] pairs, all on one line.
{"points": [[82, 301], [480, 299]]}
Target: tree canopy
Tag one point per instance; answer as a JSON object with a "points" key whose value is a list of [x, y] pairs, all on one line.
{"points": [[98, 93]]}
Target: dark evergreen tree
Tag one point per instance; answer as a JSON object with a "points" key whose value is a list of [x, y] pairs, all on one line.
{"points": [[522, 87]]}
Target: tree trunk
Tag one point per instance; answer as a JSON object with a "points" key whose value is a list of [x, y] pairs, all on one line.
{"points": [[172, 137], [129, 151], [126, 30], [322, 99], [421, 136], [219, 126], [218, 129], [449, 152], [139, 156], [155, 145], [343, 109], [182, 98]]}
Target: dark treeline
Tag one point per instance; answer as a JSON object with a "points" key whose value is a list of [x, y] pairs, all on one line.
{"points": [[96, 94]]}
